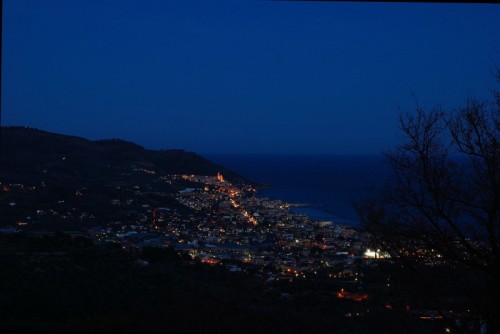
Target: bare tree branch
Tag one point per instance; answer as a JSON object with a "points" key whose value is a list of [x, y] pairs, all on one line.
{"points": [[445, 191]]}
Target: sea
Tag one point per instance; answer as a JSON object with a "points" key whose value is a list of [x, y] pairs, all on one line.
{"points": [[324, 187]]}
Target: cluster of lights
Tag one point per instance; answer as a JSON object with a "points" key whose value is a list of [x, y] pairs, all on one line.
{"points": [[209, 260], [372, 254], [356, 296]]}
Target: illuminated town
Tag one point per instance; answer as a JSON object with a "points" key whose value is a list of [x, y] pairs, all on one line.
{"points": [[216, 223], [226, 225]]}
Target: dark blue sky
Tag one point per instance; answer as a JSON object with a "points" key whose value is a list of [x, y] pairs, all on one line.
{"points": [[241, 76]]}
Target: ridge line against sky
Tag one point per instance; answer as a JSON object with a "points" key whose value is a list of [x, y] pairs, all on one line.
{"points": [[241, 77]]}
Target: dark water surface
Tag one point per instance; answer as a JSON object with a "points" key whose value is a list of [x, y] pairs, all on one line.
{"points": [[329, 184]]}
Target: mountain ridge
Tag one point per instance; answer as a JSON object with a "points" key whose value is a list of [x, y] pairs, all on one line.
{"points": [[29, 153]]}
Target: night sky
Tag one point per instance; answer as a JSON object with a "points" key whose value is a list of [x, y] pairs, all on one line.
{"points": [[241, 76]]}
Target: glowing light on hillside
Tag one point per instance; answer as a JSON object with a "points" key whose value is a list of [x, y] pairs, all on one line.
{"points": [[220, 177]]}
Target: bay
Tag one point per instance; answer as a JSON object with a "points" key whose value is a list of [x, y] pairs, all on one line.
{"points": [[325, 186]]}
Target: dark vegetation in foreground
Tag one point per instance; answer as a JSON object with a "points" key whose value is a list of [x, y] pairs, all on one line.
{"points": [[55, 283]]}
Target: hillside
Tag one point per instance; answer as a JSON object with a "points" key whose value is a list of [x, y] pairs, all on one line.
{"points": [[29, 155], [62, 284], [58, 182], [106, 235]]}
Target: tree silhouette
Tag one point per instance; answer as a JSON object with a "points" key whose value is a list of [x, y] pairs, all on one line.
{"points": [[441, 208]]}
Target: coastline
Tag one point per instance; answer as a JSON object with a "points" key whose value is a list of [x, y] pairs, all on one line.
{"points": [[315, 212], [321, 187]]}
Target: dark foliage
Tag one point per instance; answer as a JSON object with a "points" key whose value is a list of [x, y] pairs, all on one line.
{"points": [[59, 283]]}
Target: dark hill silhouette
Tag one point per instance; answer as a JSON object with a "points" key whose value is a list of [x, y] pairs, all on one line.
{"points": [[29, 154]]}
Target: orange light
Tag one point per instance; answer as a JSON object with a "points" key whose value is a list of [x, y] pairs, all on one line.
{"points": [[220, 177]]}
